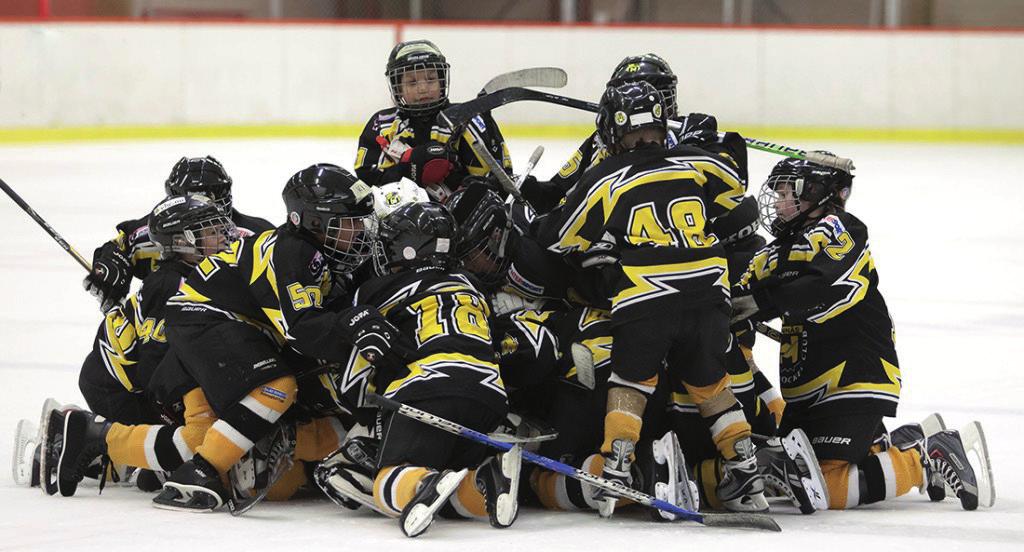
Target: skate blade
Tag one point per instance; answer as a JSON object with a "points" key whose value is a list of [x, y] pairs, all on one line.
{"points": [[976, 447], [796, 444], [48, 487], [933, 424], [25, 438], [189, 499], [507, 505], [419, 518], [667, 451], [342, 486]]}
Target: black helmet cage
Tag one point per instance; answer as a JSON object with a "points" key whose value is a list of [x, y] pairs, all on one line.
{"points": [[649, 68], [416, 235], [411, 56], [485, 229], [183, 224], [204, 175], [626, 108], [335, 207], [812, 186]]}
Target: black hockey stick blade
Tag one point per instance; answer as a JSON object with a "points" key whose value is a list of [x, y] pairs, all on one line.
{"points": [[462, 113], [762, 522], [547, 77]]}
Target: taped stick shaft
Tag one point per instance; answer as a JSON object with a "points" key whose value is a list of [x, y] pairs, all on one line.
{"points": [[46, 226]]}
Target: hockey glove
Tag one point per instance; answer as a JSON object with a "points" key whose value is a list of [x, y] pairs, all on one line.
{"points": [[698, 129], [743, 307], [111, 275], [601, 253], [428, 164], [374, 337]]}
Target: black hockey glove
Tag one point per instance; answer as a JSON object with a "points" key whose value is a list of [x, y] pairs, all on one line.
{"points": [[374, 337], [599, 254], [743, 308], [698, 129], [111, 275], [428, 164]]}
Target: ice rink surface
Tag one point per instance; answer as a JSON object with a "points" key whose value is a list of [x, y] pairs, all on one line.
{"points": [[945, 224]]}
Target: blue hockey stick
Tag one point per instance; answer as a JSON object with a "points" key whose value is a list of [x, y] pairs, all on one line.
{"points": [[739, 520]]}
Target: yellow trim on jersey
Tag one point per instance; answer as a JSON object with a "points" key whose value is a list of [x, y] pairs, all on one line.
{"points": [[825, 387], [857, 280], [188, 294], [423, 369], [652, 281]]}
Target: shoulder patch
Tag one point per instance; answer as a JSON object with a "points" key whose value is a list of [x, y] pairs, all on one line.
{"points": [[834, 224]]}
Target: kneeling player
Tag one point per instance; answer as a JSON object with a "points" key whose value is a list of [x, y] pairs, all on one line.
{"points": [[452, 373], [838, 368], [129, 347], [236, 312]]}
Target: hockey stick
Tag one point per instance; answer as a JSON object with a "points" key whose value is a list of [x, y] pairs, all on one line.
{"points": [[46, 226], [548, 77], [496, 169], [534, 158], [463, 112], [739, 520], [768, 331]]}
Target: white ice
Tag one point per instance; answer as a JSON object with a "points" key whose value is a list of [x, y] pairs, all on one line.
{"points": [[944, 222]]}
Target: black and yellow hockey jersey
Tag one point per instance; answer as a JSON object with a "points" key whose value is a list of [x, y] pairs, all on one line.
{"points": [[652, 207], [386, 135], [838, 354], [133, 238], [447, 318], [130, 344], [276, 281]]}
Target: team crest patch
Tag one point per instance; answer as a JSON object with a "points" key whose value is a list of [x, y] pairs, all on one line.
{"points": [[392, 199], [620, 118], [657, 110]]}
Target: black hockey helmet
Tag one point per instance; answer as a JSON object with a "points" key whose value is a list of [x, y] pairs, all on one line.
{"points": [[416, 235], [333, 206], [190, 224], [627, 108], [424, 62], [795, 188], [648, 68], [204, 175], [485, 230]]}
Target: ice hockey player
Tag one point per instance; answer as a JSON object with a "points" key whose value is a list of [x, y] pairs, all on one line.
{"points": [[452, 374], [132, 254], [641, 217], [409, 141], [129, 346], [838, 367], [236, 312], [697, 128]]}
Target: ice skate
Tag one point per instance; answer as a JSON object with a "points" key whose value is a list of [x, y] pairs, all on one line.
{"points": [[497, 479], [663, 468], [742, 487], [433, 492], [194, 487]]}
